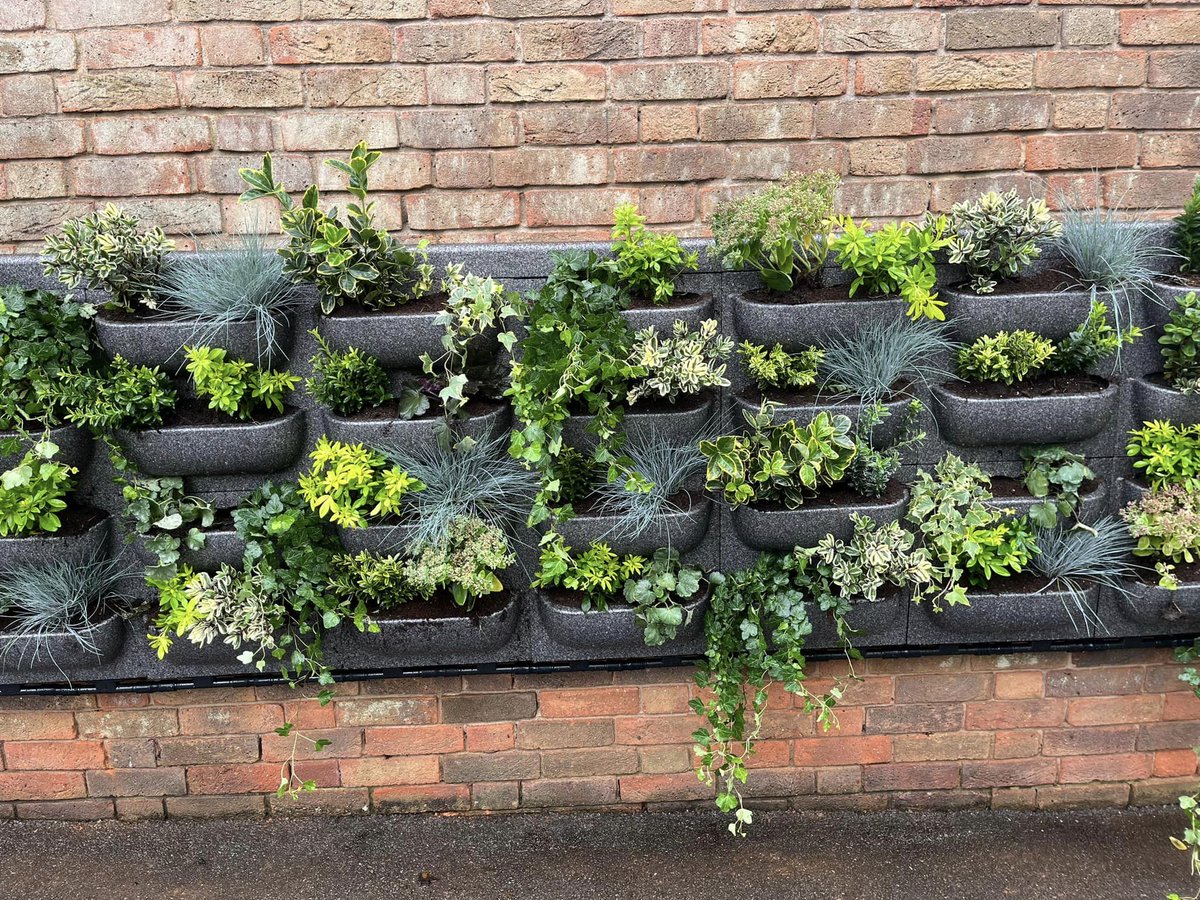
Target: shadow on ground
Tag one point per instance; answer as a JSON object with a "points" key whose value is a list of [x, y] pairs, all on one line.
{"points": [[967, 855]]}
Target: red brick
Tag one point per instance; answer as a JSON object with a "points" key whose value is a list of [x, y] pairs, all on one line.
{"points": [[457, 128], [1115, 710], [766, 79], [341, 43], [588, 702], [490, 738], [36, 138], [594, 761], [385, 711], [946, 745], [891, 32], [1174, 763], [935, 155], [652, 788], [842, 751], [90, 810], [874, 75], [1077, 151], [250, 718], [941, 688], [141, 48], [1117, 767], [1019, 685], [41, 786], [413, 740], [131, 723], [1165, 26], [255, 778], [965, 115], [999, 714], [1017, 773], [32, 725], [872, 118], [552, 166], [569, 792], [54, 755], [644, 731], [136, 783], [372, 770], [1016, 744], [159, 134], [911, 776], [542, 734]]}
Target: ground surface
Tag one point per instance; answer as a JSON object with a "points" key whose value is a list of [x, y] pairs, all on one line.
{"points": [[973, 855]]}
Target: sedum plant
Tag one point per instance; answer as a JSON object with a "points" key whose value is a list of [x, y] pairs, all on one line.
{"points": [[1166, 454], [34, 491], [235, 387], [105, 251], [351, 262], [782, 231], [997, 236], [1180, 343], [1054, 476], [464, 562], [121, 396], [1007, 357], [777, 369], [1166, 525], [687, 362], [779, 463], [349, 484], [648, 265], [1187, 233], [897, 260], [348, 381]]}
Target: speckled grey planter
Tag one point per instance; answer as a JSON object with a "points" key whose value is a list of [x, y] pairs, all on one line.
{"points": [[489, 419], [678, 425], [74, 446], [681, 530], [404, 639], [396, 337], [39, 550], [1153, 400], [1052, 314], [615, 630], [222, 546], [1169, 293], [238, 448], [760, 319], [691, 308], [56, 655], [803, 412], [784, 529], [160, 341], [1002, 618], [995, 421], [883, 623], [383, 539], [1093, 503], [1148, 609]]}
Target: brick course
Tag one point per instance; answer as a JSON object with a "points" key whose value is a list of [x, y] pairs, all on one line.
{"points": [[1020, 731], [895, 95]]}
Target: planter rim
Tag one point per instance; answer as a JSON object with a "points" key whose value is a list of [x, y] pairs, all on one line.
{"points": [[290, 413]]}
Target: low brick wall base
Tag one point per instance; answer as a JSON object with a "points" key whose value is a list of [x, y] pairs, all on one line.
{"points": [[1017, 731]]}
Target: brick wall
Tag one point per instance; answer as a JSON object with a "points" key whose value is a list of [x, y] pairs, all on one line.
{"points": [[530, 119], [1019, 731]]}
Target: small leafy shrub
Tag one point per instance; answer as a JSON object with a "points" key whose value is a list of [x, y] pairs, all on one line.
{"points": [[121, 396], [167, 519], [881, 357], [355, 262], [1092, 342], [1180, 342], [997, 236], [378, 582], [648, 265], [34, 491], [1187, 233], [875, 558], [235, 387], [894, 261], [41, 335], [578, 477], [874, 467], [105, 251], [780, 462], [349, 484], [464, 562], [1001, 549], [687, 362], [1055, 476], [598, 573], [1166, 525], [347, 381], [776, 369], [1007, 356], [1166, 454], [781, 231]]}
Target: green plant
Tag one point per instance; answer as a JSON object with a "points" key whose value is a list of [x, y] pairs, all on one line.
{"points": [[648, 265], [235, 387], [882, 358], [1106, 249], [349, 484], [997, 236], [1094, 340], [1189, 803], [380, 582], [1000, 549], [896, 260], [167, 518], [33, 492], [776, 369], [779, 462], [1187, 232], [105, 251], [1054, 476], [1074, 559], [475, 306], [355, 262], [216, 291], [347, 381], [1166, 525], [874, 467], [41, 335], [655, 596], [781, 231], [121, 396], [598, 573], [464, 562], [63, 596], [1166, 454], [1180, 341], [1007, 356], [578, 478], [687, 362]]}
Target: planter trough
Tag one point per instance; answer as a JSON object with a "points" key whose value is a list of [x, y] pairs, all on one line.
{"points": [[681, 529], [883, 623], [149, 341], [396, 337], [767, 318], [56, 655], [690, 308], [1053, 314], [1008, 614], [488, 419], [678, 424], [41, 549], [74, 446], [1154, 400], [783, 529], [971, 421], [615, 630]]}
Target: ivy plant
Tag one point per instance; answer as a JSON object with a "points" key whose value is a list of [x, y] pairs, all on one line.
{"points": [[167, 519], [1054, 476], [896, 260], [648, 265], [237, 388]]}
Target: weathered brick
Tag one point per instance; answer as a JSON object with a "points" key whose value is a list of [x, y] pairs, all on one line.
{"points": [[1114, 767], [145, 134], [324, 803], [1168, 735], [510, 765], [235, 10], [670, 37], [578, 125], [1090, 68], [22, 15], [31, 221], [545, 83], [1160, 26], [698, 163], [423, 798], [1005, 773], [590, 761], [216, 807], [649, 788], [27, 95], [996, 28], [42, 52], [131, 753], [495, 795], [756, 122], [962, 115], [386, 711], [1094, 682], [875, 32], [878, 157], [242, 88], [512, 9], [941, 746], [89, 810], [910, 776], [341, 43], [668, 81], [1174, 68], [760, 34], [233, 45], [369, 771], [1016, 744], [35, 725], [1178, 706], [141, 48], [1082, 796], [455, 85], [578, 207], [773, 161], [113, 91], [366, 86], [126, 723], [874, 75], [411, 740], [136, 783], [913, 717], [975, 72], [1146, 190], [457, 128], [362, 9], [1114, 711], [567, 40], [767, 79], [1089, 27], [872, 118], [1161, 791], [183, 751], [1080, 111], [456, 43], [941, 688], [74, 15], [337, 130], [655, 7], [35, 178], [569, 792]]}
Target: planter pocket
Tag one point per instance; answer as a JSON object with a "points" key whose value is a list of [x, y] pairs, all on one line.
{"points": [[59, 654], [88, 543], [783, 529], [487, 420], [690, 308], [769, 319], [615, 631], [147, 341], [1012, 613], [974, 421], [1154, 400], [74, 446], [681, 530]]}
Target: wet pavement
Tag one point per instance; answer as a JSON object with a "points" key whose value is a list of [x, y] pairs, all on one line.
{"points": [[965, 855]]}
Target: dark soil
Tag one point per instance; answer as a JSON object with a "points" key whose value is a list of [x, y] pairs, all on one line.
{"points": [[1187, 573], [442, 606], [1003, 488], [390, 410], [834, 293], [815, 394], [223, 521], [433, 303], [191, 412], [1050, 386], [651, 405], [677, 301], [1041, 283], [76, 519], [1024, 583], [839, 496], [588, 506]]}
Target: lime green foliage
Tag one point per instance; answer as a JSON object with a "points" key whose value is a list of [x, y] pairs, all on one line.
{"points": [[474, 307], [1166, 454], [1000, 550], [104, 251], [347, 381], [41, 335], [380, 582], [1092, 342], [998, 235], [598, 573], [355, 262], [1166, 524], [1055, 476], [1007, 356], [781, 231], [781, 462], [897, 260], [167, 519], [235, 387], [1180, 342], [34, 491], [687, 362], [121, 396], [1187, 232], [648, 265], [776, 369], [349, 484]]}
